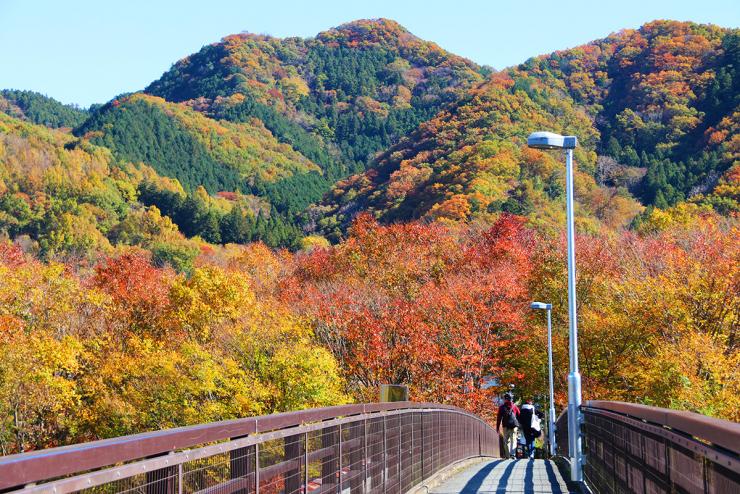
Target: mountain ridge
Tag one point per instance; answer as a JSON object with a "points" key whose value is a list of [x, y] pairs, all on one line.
{"points": [[369, 77], [367, 116], [665, 104]]}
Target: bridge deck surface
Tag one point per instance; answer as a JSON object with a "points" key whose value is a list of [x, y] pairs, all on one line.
{"points": [[505, 476]]}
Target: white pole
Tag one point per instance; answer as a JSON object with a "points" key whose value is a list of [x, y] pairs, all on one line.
{"points": [[574, 378], [551, 424]]}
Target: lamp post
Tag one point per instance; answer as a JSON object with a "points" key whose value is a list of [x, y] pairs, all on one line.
{"points": [[549, 140], [551, 420]]}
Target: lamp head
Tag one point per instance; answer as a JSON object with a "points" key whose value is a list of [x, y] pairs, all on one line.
{"points": [[550, 140], [540, 305]]}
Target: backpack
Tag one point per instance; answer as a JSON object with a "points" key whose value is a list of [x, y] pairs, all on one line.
{"points": [[510, 421], [536, 425]]}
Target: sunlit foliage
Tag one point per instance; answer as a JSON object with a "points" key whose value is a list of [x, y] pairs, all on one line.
{"points": [[655, 109], [128, 347], [446, 309]]}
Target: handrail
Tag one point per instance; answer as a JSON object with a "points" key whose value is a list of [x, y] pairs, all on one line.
{"points": [[722, 433], [34, 466], [640, 448]]}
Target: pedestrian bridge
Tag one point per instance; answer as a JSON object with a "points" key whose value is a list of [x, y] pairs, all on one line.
{"points": [[502, 476], [393, 448]]}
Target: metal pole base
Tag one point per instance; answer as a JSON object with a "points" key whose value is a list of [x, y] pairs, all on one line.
{"points": [[551, 432], [574, 426]]}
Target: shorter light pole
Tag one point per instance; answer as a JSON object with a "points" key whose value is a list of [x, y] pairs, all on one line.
{"points": [[551, 421]]}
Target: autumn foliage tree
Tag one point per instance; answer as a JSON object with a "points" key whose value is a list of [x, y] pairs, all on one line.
{"points": [[425, 305], [127, 347], [657, 317], [445, 310]]}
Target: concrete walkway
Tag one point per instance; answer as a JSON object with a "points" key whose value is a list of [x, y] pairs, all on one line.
{"points": [[505, 476]]}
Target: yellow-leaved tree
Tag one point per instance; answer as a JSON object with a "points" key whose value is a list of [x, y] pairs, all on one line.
{"points": [[129, 347]]}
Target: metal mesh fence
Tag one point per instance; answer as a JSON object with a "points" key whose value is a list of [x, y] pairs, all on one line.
{"points": [[386, 452], [629, 455]]}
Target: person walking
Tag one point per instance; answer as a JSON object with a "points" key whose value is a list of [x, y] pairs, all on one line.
{"points": [[529, 420], [508, 416]]}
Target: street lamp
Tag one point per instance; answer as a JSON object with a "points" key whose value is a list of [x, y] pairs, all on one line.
{"points": [[549, 140], [551, 421]]}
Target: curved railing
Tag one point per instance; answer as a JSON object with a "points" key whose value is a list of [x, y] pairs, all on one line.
{"points": [[639, 448], [370, 448]]}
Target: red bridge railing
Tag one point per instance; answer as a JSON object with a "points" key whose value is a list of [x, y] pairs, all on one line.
{"points": [[370, 448], [638, 448]]}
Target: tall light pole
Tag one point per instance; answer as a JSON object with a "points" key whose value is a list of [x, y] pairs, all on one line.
{"points": [[549, 140], [551, 419]]}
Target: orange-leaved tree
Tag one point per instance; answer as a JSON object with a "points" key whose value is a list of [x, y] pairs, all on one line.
{"points": [[434, 307]]}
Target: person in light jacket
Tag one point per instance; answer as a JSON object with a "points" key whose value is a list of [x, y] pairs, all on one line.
{"points": [[529, 429]]}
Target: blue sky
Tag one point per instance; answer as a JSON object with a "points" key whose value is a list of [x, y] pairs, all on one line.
{"points": [[85, 52]]}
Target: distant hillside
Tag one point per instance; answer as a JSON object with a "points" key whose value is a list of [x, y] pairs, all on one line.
{"points": [[471, 161], [283, 119], [39, 109], [270, 137], [181, 143], [359, 87], [665, 97], [64, 197], [656, 111]]}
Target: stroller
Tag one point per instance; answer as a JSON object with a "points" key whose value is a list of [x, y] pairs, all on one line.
{"points": [[521, 447]]}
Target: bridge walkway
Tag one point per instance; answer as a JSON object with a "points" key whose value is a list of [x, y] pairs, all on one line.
{"points": [[498, 476]]}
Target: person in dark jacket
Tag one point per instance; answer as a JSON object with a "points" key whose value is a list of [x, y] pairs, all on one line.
{"points": [[508, 414], [527, 413]]}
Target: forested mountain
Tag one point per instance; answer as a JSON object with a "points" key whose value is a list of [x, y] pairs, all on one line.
{"points": [[656, 111], [198, 151], [64, 197], [358, 87], [37, 108], [256, 130], [282, 119], [472, 161], [665, 97]]}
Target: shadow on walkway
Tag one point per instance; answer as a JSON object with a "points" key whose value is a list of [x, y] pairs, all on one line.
{"points": [[476, 481], [553, 478], [505, 476], [529, 478]]}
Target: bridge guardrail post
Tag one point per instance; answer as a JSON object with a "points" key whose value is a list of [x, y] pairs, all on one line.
{"points": [[385, 454], [257, 469], [412, 472], [292, 452], [339, 459], [366, 459], [240, 467], [423, 439], [161, 481], [305, 463], [179, 479]]}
